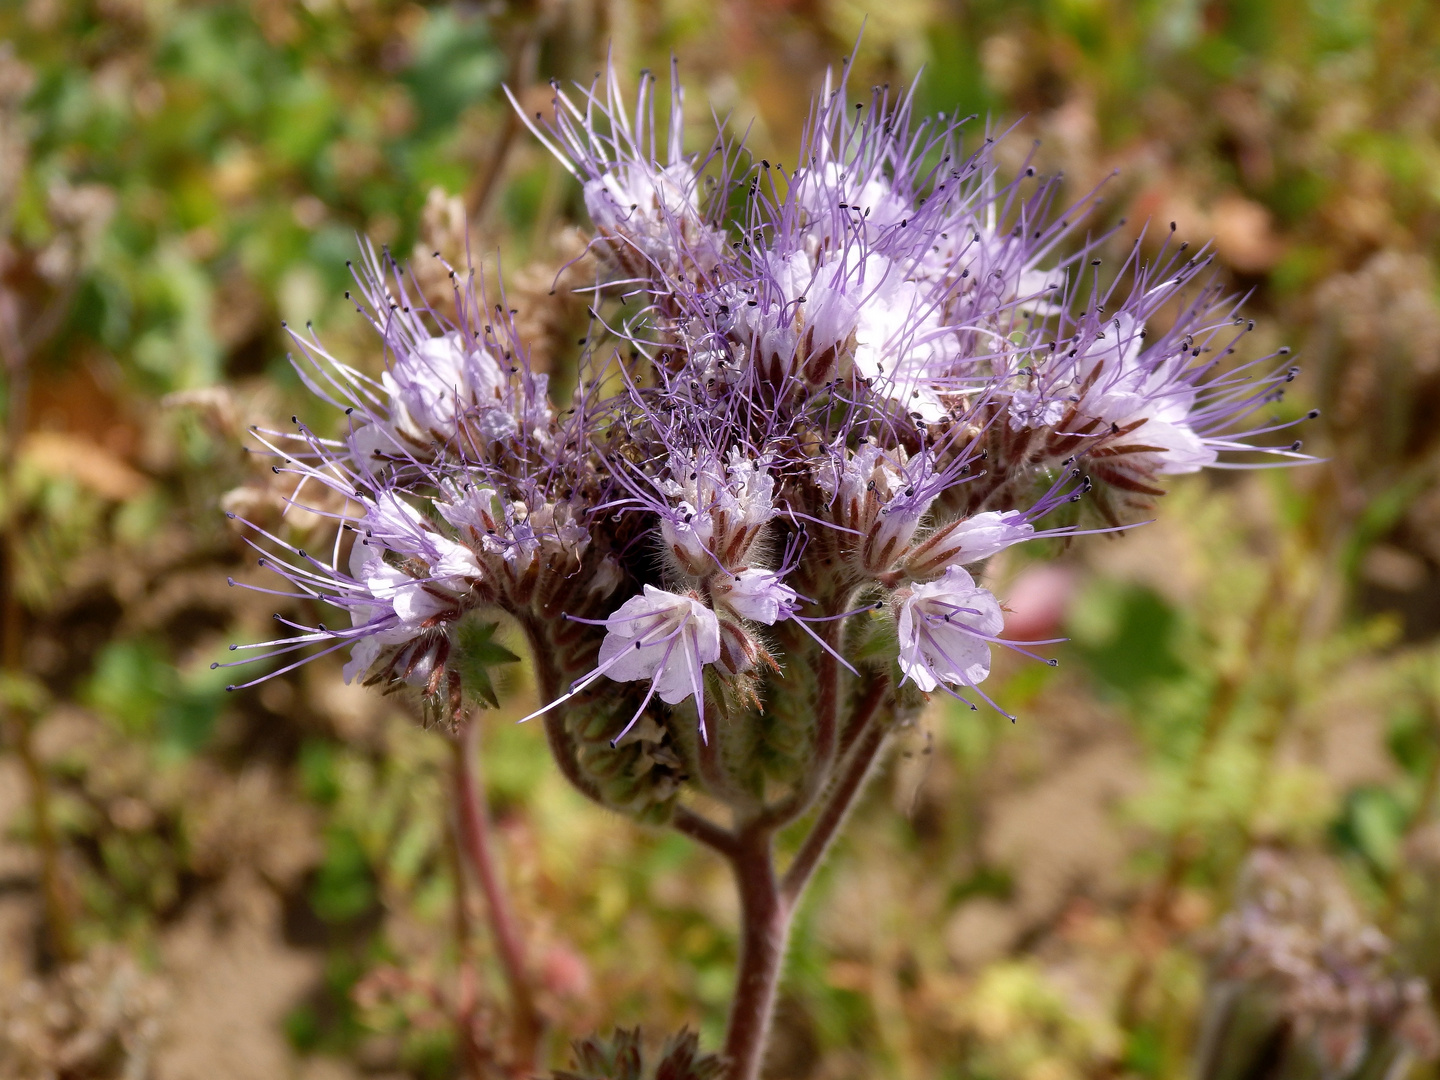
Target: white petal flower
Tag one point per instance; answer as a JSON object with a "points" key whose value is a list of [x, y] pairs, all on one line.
{"points": [[718, 512], [363, 655], [757, 594], [944, 629], [664, 637], [880, 494], [399, 606], [864, 202], [901, 344], [989, 261], [435, 385], [806, 304]]}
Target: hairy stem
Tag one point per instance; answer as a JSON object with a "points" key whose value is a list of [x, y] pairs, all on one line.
{"points": [[528, 1025], [764, 927], [768, 902], [876, 686], [835, 810], [704, 831]]}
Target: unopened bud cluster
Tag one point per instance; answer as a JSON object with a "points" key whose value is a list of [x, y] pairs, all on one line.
{"points": [[811, 400]]}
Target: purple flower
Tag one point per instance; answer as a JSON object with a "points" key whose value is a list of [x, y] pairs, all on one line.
{"points": [[879, 495], [945, 628], [1151, 399], [434, 387], [806, 397], [756, 594], [716, 511], [665, 638]]}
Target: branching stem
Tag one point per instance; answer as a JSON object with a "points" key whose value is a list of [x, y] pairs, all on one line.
{"points": [[834, 811], [704, 831], [768, 902]]}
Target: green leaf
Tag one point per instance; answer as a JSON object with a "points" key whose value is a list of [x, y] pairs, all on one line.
{"points": [[475, 654]]}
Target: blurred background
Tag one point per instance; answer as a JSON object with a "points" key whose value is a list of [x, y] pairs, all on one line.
{"points": [[1214, 832]]}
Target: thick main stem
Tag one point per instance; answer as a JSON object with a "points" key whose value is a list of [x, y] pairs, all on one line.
{"points": [[768, 902], [764, 928], [476, 844]]}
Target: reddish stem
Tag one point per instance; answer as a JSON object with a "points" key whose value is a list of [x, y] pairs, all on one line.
{"points": [[466, 991], [768, 903], [476, 843], [702, 830], [834, 812], [765, 926]]}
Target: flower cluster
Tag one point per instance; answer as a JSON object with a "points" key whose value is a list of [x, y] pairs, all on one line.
{"points": [[1300, 982], [799, 427]]}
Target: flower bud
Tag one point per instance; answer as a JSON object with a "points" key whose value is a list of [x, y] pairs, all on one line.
{"points": [[739, 650], [961, 543], [883, 497]]}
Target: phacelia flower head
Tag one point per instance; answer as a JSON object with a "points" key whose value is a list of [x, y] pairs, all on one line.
{"points": [[810, 404]]}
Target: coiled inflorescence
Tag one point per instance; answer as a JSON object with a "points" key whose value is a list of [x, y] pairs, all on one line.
{"points": [[811, 400]]}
